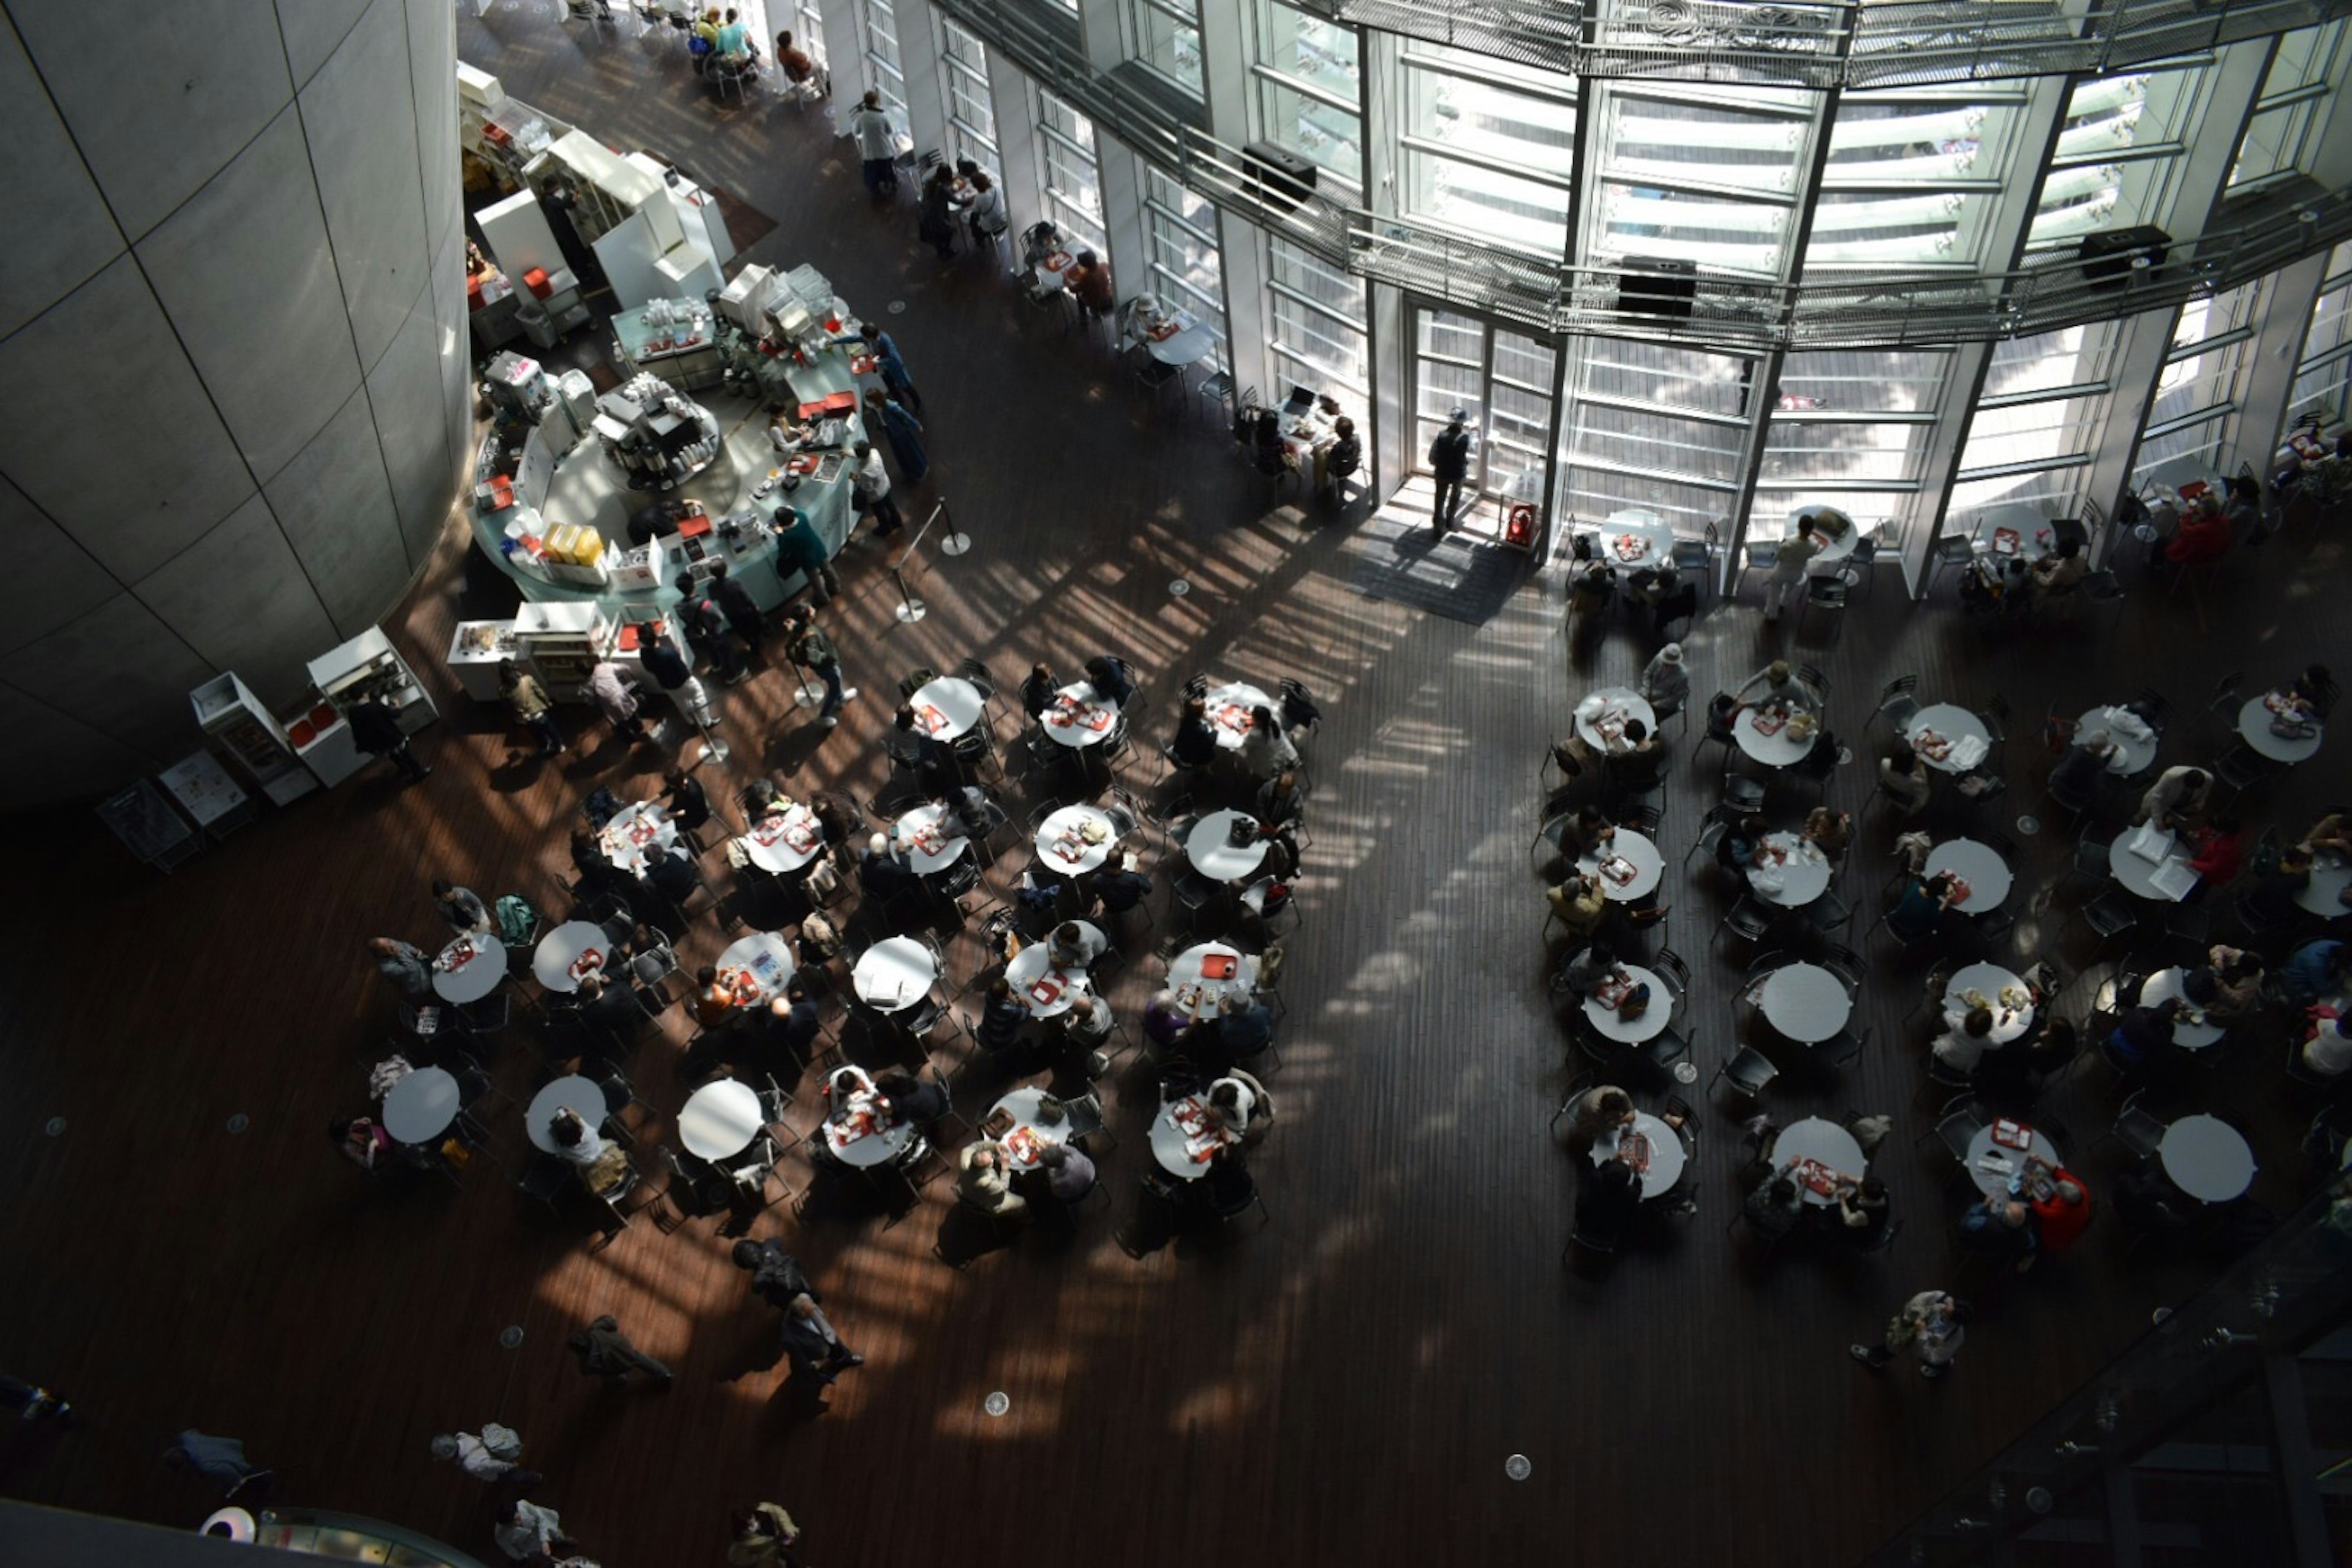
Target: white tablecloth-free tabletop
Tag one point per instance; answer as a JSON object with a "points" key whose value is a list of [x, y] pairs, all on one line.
{"points": [[1029, 964], [893, 974], [1650, 541], [926, 861], [719, 1120], [2133, 872], [1837, 551], [1995, 1184], [477, 976], [2255, 727], [1805, 874], [1185, 975], [1633, 1031], [1952, 722], [947, 707], [1021, 1105], [1070, 859], [2163, 986], [769, 958], [573, 1093], [1187, 345], [1172, 1146], [2131, 756], [1987, 980], [632, 838], [421, 1105], [1088, 720], [560, 948], [1804, 1002], [769, 844], [1777, 750], [1666, 1156], [2330, 874], [1626, 703], [1211, 848], [2207, 1158], [1825, 1142], [1229, 710], [2035, 536], [1637, 852], [1980, 866]]}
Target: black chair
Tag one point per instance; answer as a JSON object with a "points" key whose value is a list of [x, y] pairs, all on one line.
{"points": [[1898, 702], [1839, 1049], [1751, 919], [1957, 1127], [2141, 1132], [1743, 793], [2111, 915], [1577, 1087], [1748, 1071]]}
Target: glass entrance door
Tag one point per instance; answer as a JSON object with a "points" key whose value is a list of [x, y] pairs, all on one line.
{"points": [[1502, 380]]}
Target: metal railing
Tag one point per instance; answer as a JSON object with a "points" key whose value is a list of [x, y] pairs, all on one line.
{"points": [[1552, 300]]}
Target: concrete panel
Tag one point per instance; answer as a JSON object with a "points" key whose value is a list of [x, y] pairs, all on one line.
{"points": [[410, 401], [238, 597], [60, 232], [155, 122], [121, 671], [57, 578], [357, 112], [433, 77], [313, 28], [109, 431], [73, 759], [334, 506], [245, 271]]}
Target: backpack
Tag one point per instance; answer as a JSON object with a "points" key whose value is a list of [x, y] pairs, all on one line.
{"points": [[515, 920]]}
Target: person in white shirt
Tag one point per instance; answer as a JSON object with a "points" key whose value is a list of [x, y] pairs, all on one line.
{"points": [[986, 214], [1266, 750], [494, 1456], [869, 489], [525, 1528], [877, 144], [1966, 1036], [2326, 1049], [1234, 1102], [1666, 684], [575, 1142], [1789, 573], [1074, 946]]}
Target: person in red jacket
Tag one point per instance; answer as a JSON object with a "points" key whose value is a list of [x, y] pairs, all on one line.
{"points": [[2061, 1204], [2202, 537], [2220, 852]]}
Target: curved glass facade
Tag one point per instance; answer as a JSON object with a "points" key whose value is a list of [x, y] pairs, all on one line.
{"points": [[1866, 239]]}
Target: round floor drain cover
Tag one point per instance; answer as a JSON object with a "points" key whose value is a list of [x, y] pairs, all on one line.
{"points": [[1517, 1467], [897, 307], [511, 1336], [239, 1122], [1179, 588], [2029, 825], [1846, 755], [996, 1403], [55, 1126]]}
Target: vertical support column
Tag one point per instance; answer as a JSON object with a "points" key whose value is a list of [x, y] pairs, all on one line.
{"points": [[2277, 349], [1388, 351], [1120, 174], [927, 94], [1017, 139], [845, 52]]}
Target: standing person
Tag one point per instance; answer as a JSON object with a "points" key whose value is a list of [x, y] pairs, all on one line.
{"points": [[216, 1459], [764, 1537], [869, 491], [812, 649], [903, 431], [658, 657], [801, 548], [616, 695], [526, 1532], [461, 907], [1449, 459], [1344, 457], [935, 213], [734, 602], [606, 1352], [1789, 569], [1666, 683], [2175, 798], [688, 803], [405, 964], [528, 700], [495, 1455], [892, 366], [811, 1342], [877, 144], [31, 1402], [376, 731], [986, 214], [706, 630], [1933, 1321]]}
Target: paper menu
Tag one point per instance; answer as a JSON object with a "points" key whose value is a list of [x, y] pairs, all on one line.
{"points": [[2150, 842], [2173, 878]]}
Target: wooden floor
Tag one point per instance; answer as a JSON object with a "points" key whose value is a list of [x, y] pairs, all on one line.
{"points": [[1343, 1385]]}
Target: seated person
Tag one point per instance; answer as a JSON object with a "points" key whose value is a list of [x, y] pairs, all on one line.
{"points": [[1239, 1103], [1591, 591], [597, 1164], [1112, 679], [792, 1022], [1166, 1022], [2327, 1043], [1069, 1173], [913, 1100], [1999, 1227], [1266, 752], [1245, 1027], [1089, 281], [882, 875], [714, 1003], [1907, 783], [1604, 1108], [1589, 832], [2142, 1036], [2082, 773], [2062, 571], [1074, 946], [1607, 1198], [1195, 745], [2217, 851], [659, 520], [687, 803], [2061, 1206], [1580, 905], [1966, 1038], [2314, 970], [1777, 1205], [1118, 888], [797, 65], [2311, 694], [2202, 537], [984, 1181], [2237, 983], [1001, 1017], [1589, 969], [1920, 910], [609, 1005], [1829, 830], [1281, 800], [1038, 692], [1776, 682], [2332, 833], [1089, 1022], [362, 1140], [1741, 844], [1861, 1211]]}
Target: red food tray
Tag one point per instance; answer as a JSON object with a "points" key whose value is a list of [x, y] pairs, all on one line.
{"points": [[1219, 966]]}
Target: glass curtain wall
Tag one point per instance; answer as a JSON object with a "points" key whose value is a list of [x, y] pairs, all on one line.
{"points": [[1658, 428], [1073, 179], [2120, 150], [2323, 372], [2196, 405], [1852, 427], [1320, 336], [1502, 379], [972, 112], [1186, 269], [2294, 107], [1489, 148], [1688, 172], [2038, 421], [1914, 177], [881, 18], [1309, 85], [1165, 35], [808, 30]]}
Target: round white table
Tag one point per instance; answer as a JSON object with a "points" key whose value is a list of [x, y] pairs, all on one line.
{"points": [[421, 1106], [1078, 717], [2164, 985], [719, 1120], [1229, 710], [1064, 984], [630, 839], [2131, 755], [2207, 1158], [2133, 872], [1825, 1143], [1802, 870], [1995, 1184], [576, 1094], [1186, 345], [477, 963], [1609, 1024], [1952, 722], [1213, 852], [2189, 474], [1186, 974], [1630, 541], [2255, 729], [784, 841], [1666, 1156], [1988, 980], [1021, 1105], [1980, 866], [1635, 860], [917, 837], [2034, 535], [1063, 846], [893, 974], [1777, 750], [1804, 1002], [1834, 552], [947, 707], [563, 947], [1619, 703], [1173, 1147], [2323, 894], [849, 1141], [767, 958]]}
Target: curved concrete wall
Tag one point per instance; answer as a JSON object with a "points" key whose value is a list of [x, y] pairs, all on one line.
{"points": [[233, 358]]}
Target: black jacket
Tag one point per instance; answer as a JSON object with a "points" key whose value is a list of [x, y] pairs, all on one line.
{"points": [[374, 728], [776, 1277], [1449, 455], [662, 661]]}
